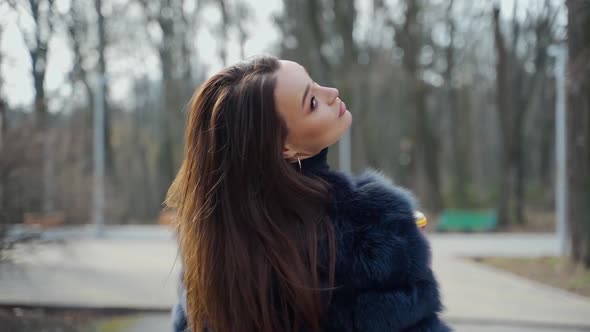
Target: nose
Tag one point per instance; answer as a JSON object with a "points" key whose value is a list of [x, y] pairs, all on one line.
{"points": [[333, 94]]}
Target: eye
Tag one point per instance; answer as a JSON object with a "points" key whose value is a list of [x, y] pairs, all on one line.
{"points": [[313, 103]]}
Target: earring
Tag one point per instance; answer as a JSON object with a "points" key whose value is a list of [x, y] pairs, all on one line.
{"points": [[299, 161]]}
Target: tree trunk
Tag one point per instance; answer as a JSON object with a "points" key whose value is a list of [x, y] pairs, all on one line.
{"points": [[350, 79], [352, 94], [166, 148], [321, 67], [38, 50], [38, 53], [102, 44], [3, 127], [459, 139], [225, 22], [2, 102], [77, 30], [505, 111], [172, 51], [407, 37], [546, 143], [578, 119], [421, 137], [428, 149]]}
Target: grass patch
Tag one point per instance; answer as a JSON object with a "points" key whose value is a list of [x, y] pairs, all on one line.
{"points": [[555, 271], [16, 319], [116, 324]]}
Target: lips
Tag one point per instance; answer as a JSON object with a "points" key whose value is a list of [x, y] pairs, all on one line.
{"points": [[342, 109]]}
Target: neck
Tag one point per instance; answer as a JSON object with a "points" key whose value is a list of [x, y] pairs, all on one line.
{"points": [[318, 162]]}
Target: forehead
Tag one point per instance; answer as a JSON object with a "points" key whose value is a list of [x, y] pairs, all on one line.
{"points": [[291, 81]]}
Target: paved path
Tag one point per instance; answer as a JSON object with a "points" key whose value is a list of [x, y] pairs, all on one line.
{"points": [[135, 267], [495, 244], [475, 292], [113, 273], [161, 323]]}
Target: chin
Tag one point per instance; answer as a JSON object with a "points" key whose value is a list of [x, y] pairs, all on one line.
{"points": [[347, 117], [341, 135]]}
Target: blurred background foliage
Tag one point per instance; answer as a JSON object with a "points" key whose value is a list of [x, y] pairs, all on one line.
{"points": [[454, 99]]}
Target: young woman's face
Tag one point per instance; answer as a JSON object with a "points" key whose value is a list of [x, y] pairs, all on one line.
{"points": [[315, 115]]}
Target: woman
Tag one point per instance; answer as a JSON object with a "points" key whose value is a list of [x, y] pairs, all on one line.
{"points": [[273, 240]]}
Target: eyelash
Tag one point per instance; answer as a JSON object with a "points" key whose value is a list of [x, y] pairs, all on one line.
{"points": [[313, 103]]}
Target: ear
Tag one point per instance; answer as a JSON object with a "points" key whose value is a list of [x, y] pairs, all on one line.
{"points": [[289, 153]]}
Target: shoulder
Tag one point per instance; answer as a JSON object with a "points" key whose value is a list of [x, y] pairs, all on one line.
{"points": [[379, 243], [378, 190], [371, 198], [383, 277]]}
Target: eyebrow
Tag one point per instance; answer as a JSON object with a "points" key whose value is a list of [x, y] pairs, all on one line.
{"points": [[305, 94]]}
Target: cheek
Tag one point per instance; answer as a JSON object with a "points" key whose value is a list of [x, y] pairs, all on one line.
{"points": [[314, 130]]}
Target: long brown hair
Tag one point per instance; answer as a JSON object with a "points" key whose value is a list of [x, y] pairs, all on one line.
{"points": [[250, 225]]}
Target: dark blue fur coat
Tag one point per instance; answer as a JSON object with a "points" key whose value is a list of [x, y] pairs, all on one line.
{"points": [[383, 278]]}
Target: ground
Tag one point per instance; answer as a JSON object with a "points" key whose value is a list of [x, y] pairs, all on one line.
{"points": [[17, 319], [135, 269], [555, 271]]}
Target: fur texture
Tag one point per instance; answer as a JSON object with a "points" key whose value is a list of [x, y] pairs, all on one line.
{"points": [[383, 278]]}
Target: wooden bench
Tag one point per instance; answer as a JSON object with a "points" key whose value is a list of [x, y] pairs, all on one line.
{"points": [[44, 220], [167, 218]]}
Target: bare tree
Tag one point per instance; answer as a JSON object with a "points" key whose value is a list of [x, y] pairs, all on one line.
{"points": [[189, 24], [77, 26], [458, 118], [304, 38], [37, 41], [349, 75], [42, 13], [244, 13], [2, 106], [506, 112], [3, 126], [170, 18], [410, 37], [517, 93], [579, 128], [403, 104], [102, 70], [223, 30]]}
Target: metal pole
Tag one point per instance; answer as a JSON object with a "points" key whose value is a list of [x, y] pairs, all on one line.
{"points": [[1, 135], [560, 53], [344, 153], [344, 145], [98, 212], [1, 123]]}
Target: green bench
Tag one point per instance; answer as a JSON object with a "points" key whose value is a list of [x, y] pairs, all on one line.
{"points": [[467, 220]]}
